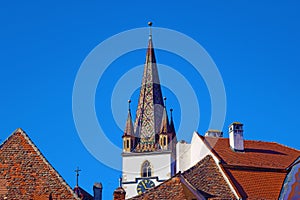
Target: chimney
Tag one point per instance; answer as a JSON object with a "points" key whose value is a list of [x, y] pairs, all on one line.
{"points": [[119, 194], [236, 136], [97, 188]]}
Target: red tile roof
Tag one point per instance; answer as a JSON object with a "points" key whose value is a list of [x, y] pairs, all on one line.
{"points": [[257, 184], [257, 153], [27, 174], [259, 171], [205, 176]]}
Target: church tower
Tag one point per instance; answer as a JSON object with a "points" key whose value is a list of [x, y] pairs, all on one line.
{"points": [[149, 152]]}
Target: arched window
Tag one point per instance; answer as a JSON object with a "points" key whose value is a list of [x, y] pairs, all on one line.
{"points": [[146, 169], [127, 143]]}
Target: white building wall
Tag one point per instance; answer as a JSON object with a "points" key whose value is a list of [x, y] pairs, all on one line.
{"points": [[183, 156], [132, 162], [198, 149], [231, 139], [190, 154]]}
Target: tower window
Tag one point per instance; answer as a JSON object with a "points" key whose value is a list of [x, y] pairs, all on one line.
{"points": [[146, 169], [127, 143], [165, 141]]}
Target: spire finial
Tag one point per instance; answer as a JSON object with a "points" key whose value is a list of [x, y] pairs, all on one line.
{"points": [[172, 127], [165, 101], [150, 29], [129, 101], [77, 175]]}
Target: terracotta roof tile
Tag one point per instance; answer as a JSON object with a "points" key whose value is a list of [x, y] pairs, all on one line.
{"points": [[206, 177], [256, 154], [257, 184], [259, 171], [27, 174]]}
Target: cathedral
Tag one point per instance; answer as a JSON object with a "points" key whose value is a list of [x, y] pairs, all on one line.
{"points": [[149, 144]]}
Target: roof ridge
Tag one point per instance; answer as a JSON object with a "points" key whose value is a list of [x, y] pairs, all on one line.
{"points": [[286, 146], [187, 184], [15, 131], [252, 140], [212, 150], [255, 168], [205, 159], [229, 181], [36, 149]]}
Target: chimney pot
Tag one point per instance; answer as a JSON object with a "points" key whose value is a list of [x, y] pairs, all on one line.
{"points": [[119, 194], [97, 188]]}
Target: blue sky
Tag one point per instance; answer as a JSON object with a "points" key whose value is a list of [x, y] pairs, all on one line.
{"points": [[255, 45]]}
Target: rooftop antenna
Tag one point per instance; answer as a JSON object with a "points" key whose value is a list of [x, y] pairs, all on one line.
{"points": [[77, 175]]}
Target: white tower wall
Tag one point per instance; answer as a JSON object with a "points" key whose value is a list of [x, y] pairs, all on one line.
{"points": [[132, 164]]}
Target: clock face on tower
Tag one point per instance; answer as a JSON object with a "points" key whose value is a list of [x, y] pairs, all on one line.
{"points": [[144, 185]]}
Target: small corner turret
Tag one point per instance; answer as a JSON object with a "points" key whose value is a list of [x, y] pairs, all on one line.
{"points": [[128, 135], [164, 130]]}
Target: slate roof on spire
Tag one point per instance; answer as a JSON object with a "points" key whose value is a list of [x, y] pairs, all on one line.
{"points": [[150, 105], [171, 126], [129, 125], [165, 123]]}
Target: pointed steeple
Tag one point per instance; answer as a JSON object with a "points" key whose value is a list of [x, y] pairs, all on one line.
{"points": [[128, 136], [165, 128], [172, 127], [129, 125], [150, 105]]}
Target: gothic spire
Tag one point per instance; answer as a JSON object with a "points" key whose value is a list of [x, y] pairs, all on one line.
{"points": [[129, 126], [150, 105], [165, 121], [172, 127]]}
